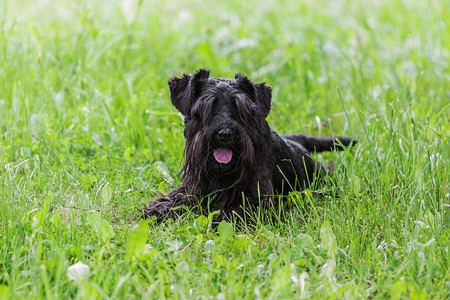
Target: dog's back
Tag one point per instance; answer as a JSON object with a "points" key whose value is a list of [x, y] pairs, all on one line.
{"points": [[294, 168]]}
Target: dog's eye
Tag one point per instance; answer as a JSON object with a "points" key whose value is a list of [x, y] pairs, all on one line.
{"points": [[235, 106], [196, 110], [243, 104], [196, 115], [235, 101]]}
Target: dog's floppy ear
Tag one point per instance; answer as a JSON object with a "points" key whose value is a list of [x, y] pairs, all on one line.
{"points": [[258, 92], [184, 90]]}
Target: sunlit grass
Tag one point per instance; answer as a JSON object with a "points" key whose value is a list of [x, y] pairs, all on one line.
{"points": [[88, 136]]}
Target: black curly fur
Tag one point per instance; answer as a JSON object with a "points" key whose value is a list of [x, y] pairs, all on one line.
{"points": [[231, 113]]}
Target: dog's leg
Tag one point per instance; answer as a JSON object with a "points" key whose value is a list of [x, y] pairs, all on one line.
{"points": [[162, 207], [319, 144]]}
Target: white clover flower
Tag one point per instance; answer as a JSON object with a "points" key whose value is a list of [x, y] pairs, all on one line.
{"points": [[78, 272]]}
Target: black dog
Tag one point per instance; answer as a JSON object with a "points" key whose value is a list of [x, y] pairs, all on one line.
{"points": [[232, 157]]}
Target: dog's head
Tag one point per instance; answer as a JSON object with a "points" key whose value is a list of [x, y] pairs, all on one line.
{"points": [[223, 120]]}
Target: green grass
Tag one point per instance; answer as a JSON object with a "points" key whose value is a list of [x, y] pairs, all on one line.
{"points": [[88, 136]]}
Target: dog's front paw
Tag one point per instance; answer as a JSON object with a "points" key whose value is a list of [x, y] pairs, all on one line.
{"points": [[159, 207]]}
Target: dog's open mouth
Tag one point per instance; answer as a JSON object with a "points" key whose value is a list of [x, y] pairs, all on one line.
{"points": [[223, 155]]}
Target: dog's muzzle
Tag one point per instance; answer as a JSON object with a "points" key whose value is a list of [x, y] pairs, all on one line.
{"points": [[224, 139]]}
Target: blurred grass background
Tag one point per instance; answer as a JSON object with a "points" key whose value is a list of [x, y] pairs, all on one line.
{"points": [[84, 105]]}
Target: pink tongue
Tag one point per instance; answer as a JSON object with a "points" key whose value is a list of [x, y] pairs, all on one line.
{"points": [[223, 155]]}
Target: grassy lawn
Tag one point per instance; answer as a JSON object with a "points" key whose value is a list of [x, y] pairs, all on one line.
{"points": [[88, 136]]}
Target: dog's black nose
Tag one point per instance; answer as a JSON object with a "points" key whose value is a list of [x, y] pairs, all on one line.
{"points": [[225, 135]]}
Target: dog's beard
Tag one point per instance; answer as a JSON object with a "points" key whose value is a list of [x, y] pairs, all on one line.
{"points": [[216, 165]]}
